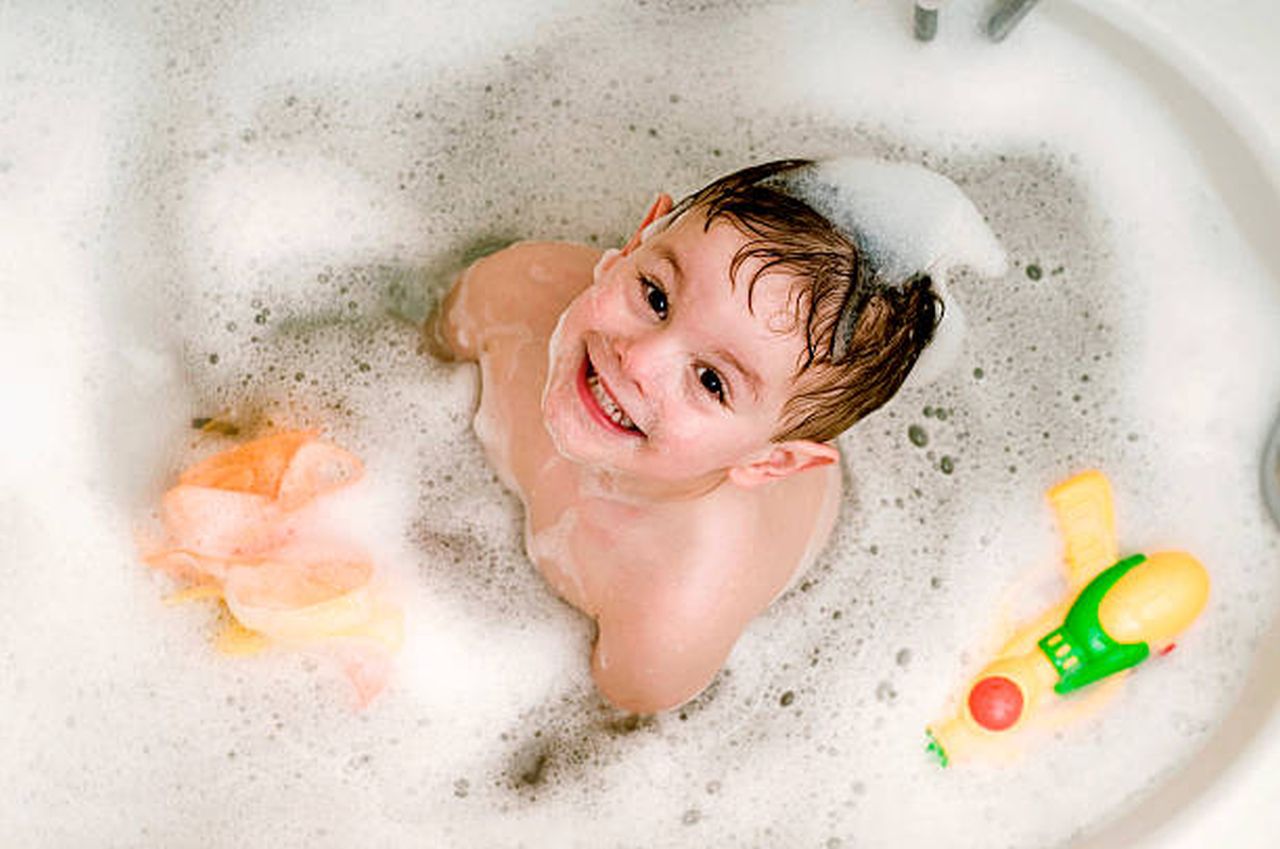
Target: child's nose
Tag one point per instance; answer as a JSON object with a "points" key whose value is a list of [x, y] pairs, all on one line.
{"points": [[647, 358]]}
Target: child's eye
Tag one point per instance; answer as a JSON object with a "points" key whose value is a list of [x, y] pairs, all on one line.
{"points": [[656, 298], [711, 382]]}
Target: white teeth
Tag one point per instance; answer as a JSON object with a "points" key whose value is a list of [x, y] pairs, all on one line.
{"points": [[606, 403]]}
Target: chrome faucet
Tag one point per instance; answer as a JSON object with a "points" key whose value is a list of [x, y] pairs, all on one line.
{"points": [[926, 19], [1005, 16], [1001, 20]]}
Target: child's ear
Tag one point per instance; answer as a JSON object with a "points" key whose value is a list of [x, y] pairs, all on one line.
{"points": [[782, 460], [661, 206]]}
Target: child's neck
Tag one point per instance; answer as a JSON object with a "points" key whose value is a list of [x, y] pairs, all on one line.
{"points": [[634, 489]]}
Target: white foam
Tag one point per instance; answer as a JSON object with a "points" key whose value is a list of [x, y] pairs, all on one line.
{"points": [[209, 212], [908, 220]]}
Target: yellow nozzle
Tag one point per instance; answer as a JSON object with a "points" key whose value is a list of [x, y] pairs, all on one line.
{"points": [[1156, 601]]}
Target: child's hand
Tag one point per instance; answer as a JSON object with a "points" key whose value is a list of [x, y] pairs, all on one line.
{"points": [[437, 338], [432, 340]]}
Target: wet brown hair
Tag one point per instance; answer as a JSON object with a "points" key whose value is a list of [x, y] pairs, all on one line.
{"points": [[862, 334]]}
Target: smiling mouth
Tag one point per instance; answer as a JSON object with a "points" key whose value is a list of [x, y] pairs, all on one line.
{"points": [[602, 405]]}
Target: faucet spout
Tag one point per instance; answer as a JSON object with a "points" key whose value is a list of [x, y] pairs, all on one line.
{"points": [[926, 19], [1006, 15]]}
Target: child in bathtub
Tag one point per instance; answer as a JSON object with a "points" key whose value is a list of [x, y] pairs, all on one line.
{"points": [[667, 411]]}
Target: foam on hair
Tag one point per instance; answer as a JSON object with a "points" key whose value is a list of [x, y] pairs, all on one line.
{"points": [[907, 221]]}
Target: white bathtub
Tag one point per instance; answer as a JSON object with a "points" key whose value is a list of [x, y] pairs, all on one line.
{"points": [[1216, 72], [197, 150]]}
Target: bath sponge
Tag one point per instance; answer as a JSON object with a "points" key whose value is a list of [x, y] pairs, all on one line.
{"points": [[239, 529]]}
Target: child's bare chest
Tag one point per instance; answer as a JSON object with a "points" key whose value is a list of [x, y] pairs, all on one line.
{"points": [[587, 544], [730, 551], [741, 547]]}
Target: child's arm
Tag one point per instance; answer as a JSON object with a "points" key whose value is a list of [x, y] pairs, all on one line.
{"points": [[648, 660], [443, 337], [670, 606], [667, 624]]}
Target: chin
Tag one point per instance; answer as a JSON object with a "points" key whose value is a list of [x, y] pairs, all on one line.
{"points": [[565, 436], [576, 440]]}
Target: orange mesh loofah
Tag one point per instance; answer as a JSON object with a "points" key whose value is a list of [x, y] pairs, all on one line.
{"points": [[256, 467], [232, 533]]}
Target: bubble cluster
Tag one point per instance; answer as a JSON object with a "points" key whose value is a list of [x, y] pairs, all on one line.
{"points": [[275, 199]]}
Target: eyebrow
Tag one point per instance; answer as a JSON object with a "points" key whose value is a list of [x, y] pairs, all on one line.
{"points": [[667, 255]]}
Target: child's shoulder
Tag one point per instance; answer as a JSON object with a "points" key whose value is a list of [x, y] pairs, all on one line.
{"points": [[529, 278], [526, 284], [537, 260]]}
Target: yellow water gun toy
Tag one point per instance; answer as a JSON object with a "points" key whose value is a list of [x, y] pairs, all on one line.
{"points": [[1116, 614]]}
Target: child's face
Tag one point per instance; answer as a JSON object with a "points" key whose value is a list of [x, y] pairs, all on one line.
{"points": [[660, 370]]}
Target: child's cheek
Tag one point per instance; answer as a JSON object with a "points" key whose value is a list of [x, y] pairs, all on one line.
{"points": [[603, 305], [682, 429]]}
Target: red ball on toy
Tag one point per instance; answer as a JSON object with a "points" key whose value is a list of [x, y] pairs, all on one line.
{"points": [[995, 703]]}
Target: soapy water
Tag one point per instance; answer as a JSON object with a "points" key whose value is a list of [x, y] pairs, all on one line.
{"points": [[245, 219]]}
